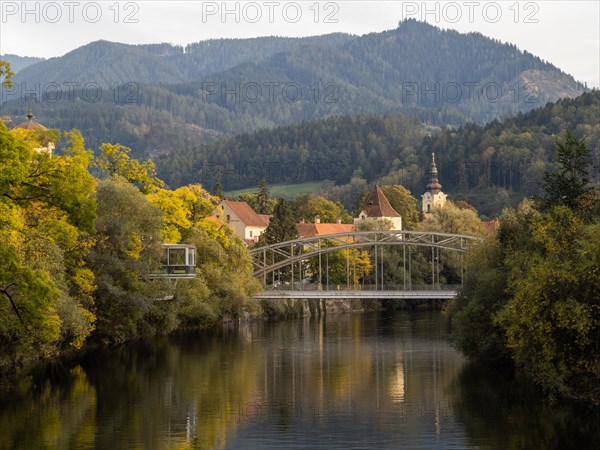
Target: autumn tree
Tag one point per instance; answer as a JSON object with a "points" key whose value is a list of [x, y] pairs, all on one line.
{"points": [[114, 159], [182, 209], [307, 207], [5, 74], [47, 212], [532, 291]]}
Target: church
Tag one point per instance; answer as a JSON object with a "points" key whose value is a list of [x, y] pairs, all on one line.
{"points": [[433, 196]]}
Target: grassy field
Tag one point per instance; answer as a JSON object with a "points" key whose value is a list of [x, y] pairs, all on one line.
{"points": [[283, 190]]}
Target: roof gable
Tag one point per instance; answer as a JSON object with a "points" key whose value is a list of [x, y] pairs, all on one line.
{"points": [[377, 205], [246, 214]]}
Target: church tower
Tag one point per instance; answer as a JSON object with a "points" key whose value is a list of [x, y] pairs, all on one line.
{"points": [[433, 196]]}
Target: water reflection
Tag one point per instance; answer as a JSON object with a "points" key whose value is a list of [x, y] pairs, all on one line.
{"points": [[347, 381]]}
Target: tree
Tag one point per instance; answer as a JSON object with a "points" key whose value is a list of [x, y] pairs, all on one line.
{"points": [[115, 160], [218, 191], [452, 219], [128, 233], [47, 211], [29, 323], [282, 226], [551, 319], [372, 224], [6, 74], [472, 313], [182, 209], [570, 181], [337, 264], [263, 198], [404, 203], [307, 207]]}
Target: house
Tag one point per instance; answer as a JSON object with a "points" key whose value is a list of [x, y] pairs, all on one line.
{"points": [[246, 223], [378, 207], [433, 196], [309, 230]]}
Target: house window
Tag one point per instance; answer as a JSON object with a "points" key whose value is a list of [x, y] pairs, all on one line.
{"points": [[228, 217], [428, 207], [250, 233]]}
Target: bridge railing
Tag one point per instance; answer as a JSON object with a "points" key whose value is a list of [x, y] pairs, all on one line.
{"points": [[299, 286]]}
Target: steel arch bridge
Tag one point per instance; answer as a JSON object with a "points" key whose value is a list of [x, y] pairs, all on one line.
{"points": [[270, 259]]}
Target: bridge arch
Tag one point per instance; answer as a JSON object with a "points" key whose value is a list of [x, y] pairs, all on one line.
{"points": [[268, 259]]}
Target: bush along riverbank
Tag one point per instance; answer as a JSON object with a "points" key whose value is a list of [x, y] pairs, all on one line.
{"points": [[76, 249], [78, 237], [532, 293]]}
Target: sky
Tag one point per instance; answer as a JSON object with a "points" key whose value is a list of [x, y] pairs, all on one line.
{"points": [[564, 33]]}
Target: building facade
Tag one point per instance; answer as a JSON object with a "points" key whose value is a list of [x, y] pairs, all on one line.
{"points": [[246, 223]]}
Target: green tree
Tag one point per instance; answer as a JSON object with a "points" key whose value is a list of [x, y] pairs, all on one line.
{"points": [[551, 319], [128, 247], [263, 198], [570, 180], [372, 224], [29, 323], [307, 207], [474, 329], [452, 219], [48, 209], [404, 203], [533, 293], [282, 226], [218, 191]]}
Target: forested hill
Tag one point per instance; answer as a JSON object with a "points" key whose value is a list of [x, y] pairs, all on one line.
{"points": [[327, 149], [109, 64], [445, 76], [489, 165], [240, 86], [18, 63]]}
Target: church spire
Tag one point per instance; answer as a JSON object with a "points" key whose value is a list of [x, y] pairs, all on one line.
{"points": [[434, 185], [30, 114]]}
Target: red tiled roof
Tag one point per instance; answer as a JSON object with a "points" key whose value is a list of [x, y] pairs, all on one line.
{"points": [[266, 218], [491, 226], [377, 205], [246, 214], [308, 230]]}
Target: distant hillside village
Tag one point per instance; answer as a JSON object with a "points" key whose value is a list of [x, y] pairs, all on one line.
{"points": [[249, 225]]}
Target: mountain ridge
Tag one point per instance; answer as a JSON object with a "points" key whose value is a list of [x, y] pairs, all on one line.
{"points": [[412, 69]]}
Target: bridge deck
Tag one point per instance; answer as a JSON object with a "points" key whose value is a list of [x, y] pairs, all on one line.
{"points": [[343, 295]]}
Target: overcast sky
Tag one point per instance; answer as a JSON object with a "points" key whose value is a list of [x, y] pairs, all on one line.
{"points": [[565, 33]]}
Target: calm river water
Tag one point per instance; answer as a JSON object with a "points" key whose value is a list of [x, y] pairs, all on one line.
{"points": [[356, 381]]}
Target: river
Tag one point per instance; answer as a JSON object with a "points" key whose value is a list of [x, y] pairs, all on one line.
{"points": [[348, 381]]}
